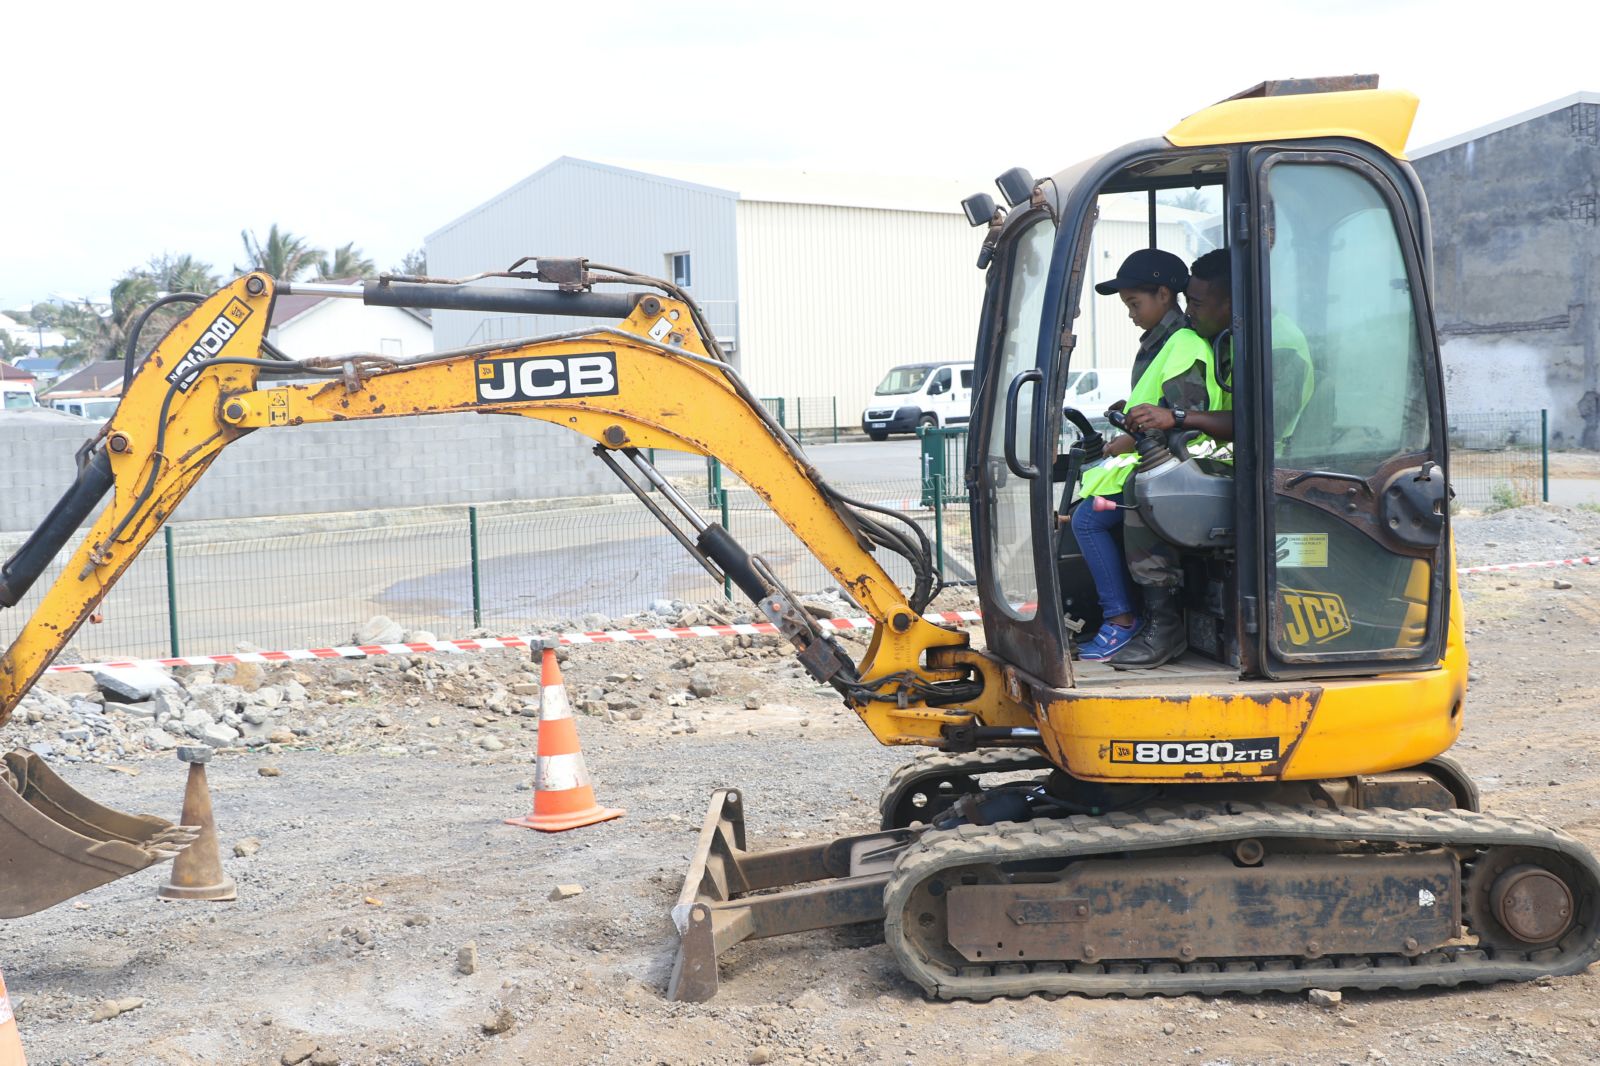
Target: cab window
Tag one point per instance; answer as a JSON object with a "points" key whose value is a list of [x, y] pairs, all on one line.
{"points": [[940, 383], [1349, 404]]}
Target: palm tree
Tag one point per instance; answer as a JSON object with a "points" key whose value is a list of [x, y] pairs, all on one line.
{"points": [[347, 262], [182, 273], [79, 321], [284, 255]]}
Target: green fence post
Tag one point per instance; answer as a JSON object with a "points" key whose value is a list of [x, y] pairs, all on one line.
{"points": [[727, 582], [1544, 451], [933, 463], [938, 525], [477, 575], [836, 420], [172, 593], [713, 479], [799, 421]]}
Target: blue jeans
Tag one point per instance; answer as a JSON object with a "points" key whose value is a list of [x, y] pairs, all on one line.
{"points": [[1096, 531]]}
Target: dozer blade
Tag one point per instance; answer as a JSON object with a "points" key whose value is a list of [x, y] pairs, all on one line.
{"points": [[56, 843], [732, 894]]}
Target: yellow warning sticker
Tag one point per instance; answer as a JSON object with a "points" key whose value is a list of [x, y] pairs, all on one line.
{"points": [[1304, 551], [278, 407]]}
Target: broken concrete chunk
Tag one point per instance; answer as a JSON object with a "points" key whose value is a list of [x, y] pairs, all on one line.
{"points": [[132, 684], [561, 892]]}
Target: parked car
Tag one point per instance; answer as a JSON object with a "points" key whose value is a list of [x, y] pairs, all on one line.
{"points": [[919, 394], [94, 408]]}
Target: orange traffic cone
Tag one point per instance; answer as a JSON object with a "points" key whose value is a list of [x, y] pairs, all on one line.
{"points": [[197, 871], [563, 798], [10, 1041]]}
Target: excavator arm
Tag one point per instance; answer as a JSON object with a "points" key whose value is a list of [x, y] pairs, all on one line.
{"points": [[655, 380]]}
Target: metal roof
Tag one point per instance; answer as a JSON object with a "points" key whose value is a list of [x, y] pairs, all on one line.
{"points": [[1508, 122]]}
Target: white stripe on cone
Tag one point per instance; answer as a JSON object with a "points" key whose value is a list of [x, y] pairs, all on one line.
{"points": [[560, 773], [553, 703]]}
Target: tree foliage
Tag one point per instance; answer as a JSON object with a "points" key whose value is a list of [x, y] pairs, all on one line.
{"points": [[414, 263], [1187, 200], [283, 255], [182, 273], [346, 262]]}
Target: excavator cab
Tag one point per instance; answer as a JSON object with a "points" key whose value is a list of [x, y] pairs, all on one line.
{"points": [[1323, 550]]}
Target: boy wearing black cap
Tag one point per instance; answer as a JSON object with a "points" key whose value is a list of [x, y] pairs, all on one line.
{"points": [[1174, 371]]}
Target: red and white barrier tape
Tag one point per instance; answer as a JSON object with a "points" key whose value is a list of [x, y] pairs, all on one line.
{"points": [[609, 636], [613, 636]]}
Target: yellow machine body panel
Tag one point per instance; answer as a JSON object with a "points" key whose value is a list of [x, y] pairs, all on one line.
{"points": [[1381, 117], [1181, 730]]}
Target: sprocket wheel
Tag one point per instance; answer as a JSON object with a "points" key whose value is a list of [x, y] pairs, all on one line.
{"points": [[1519, 899]]}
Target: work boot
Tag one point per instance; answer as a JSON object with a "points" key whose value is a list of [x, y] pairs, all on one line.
{"points": [[1163, 637]]}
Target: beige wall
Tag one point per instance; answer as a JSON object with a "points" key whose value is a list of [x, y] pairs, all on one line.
{"points": [[831, 297]]}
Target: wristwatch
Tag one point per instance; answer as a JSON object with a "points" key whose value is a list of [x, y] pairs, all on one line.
{"points": [[1179, 416]]}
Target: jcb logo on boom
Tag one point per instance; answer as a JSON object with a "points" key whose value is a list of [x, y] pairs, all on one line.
{"points": [[211, 342], [546, 377], [1313, 617]]}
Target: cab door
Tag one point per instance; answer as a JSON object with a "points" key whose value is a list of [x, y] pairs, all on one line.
{"points": [[1350, 434], [1009, 455]]}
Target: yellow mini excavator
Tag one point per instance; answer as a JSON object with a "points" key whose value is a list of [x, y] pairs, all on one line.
{"points": [[1269, 811]]}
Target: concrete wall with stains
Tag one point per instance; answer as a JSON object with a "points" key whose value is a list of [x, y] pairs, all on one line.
{"points": [[1517, 265]]}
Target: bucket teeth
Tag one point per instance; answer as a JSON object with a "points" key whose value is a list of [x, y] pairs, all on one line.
{"points": [[56, 843]]}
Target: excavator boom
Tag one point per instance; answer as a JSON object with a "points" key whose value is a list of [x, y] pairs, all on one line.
{"points": [[652, 381]]}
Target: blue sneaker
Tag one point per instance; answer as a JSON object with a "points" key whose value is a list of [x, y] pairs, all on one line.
{"points": [[1108, 641]]}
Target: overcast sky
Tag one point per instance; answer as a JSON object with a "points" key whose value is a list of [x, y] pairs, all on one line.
{"points": [[138, 129]]}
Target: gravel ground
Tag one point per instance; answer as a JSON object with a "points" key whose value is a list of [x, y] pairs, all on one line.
{"points": [[1527, 534], [382, 855]]}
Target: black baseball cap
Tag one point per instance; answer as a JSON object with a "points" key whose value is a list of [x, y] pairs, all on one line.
{"points": [[1147, 266]]}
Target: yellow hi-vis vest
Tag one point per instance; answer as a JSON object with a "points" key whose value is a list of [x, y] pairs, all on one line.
{"points": [[1182, 350]]}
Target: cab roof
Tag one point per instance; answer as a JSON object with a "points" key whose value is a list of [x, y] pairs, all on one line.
{"points": [[1381, 117]]}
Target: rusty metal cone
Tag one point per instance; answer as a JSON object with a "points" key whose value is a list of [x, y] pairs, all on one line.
{"points": [[197, 871]]}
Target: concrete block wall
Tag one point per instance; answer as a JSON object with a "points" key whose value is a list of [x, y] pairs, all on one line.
{"points": [[1517, 269], [400, 462]]}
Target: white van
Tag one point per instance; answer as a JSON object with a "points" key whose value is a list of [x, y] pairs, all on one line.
{"points": [[1092, 391], [17, 395], [919, 394]]}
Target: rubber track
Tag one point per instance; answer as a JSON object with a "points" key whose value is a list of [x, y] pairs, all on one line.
{"points": [[1159, 828], [972, 763]]}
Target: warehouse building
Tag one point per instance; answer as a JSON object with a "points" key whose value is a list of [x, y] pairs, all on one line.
{"points": [[1517, 265], [815, 284]]}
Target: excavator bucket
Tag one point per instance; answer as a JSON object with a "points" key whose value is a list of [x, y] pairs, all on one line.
{"points": [[56, 843]]}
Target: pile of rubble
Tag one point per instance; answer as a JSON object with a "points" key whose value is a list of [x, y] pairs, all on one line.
{"points": [[411, 704]]}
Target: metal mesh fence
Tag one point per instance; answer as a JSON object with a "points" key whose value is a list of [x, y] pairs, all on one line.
{"points": [[814, 419], [203, 588], [1498, 459], [458, 570]]}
